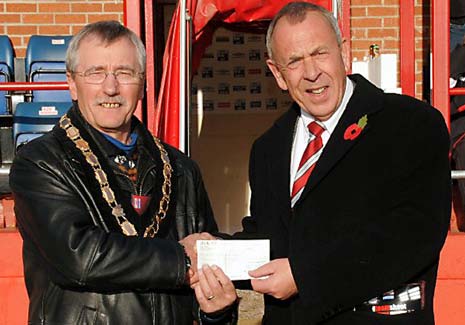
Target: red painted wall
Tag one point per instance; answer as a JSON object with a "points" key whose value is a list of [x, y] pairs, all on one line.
{"points": [[13, 296], [449, 300]]}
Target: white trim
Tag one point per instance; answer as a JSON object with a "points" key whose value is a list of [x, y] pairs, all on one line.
{"points": [[182, 74]]}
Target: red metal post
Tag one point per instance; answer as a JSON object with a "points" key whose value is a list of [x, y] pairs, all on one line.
{"points": [[407, 51], [131, 15], [345, 23], [132, 20], [150, 74], [441, 64]]}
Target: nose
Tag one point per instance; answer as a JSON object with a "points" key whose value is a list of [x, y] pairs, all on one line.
{"points": [[110, 85], [311, 69]]}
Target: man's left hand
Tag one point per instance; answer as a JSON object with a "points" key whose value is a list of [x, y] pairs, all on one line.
{"points": [[214, 290], [279, 281]]}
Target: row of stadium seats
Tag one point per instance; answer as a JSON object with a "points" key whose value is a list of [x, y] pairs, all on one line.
{"points": [[44, 62], [25, 115], [30, 120]]}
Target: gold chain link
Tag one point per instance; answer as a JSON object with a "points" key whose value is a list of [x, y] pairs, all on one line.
{"points": [[108, 195], [153, 228]]}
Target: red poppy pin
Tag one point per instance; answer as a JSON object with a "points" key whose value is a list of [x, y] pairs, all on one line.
{"points": [[354, 130]]}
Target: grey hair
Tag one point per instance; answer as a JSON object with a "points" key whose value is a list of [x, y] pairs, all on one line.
{"points": [[296, 12], [107, 31]]}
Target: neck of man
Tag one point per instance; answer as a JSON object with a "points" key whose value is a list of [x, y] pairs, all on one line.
{"points": [[122, 136]]}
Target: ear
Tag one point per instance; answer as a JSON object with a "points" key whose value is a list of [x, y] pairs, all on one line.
{"points": [[277, 74], [72, 86], [141, 91], [345, 53]]}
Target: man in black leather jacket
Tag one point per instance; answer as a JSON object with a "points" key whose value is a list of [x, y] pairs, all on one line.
{"points": [[105, 208]]}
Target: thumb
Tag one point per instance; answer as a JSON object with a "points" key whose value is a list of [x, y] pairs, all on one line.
{"points": [[262, 271]]}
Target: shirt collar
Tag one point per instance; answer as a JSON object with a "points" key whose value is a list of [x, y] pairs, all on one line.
{"points": [[330, 124]]}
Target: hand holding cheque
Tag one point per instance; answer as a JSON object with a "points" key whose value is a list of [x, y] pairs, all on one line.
{"points": [[222, 261]]}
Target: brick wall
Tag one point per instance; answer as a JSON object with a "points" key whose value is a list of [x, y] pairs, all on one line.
{"points": [[378, 22], [374, 22], [22, 18]]}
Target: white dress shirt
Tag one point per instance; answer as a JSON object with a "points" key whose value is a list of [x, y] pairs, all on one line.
{"points": [[303, 136]]}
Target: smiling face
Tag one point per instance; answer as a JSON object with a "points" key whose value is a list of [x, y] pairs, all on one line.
{"points": [[108, 106], [309, 63]]}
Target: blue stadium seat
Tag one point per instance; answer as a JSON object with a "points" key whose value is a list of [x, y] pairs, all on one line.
{"points": [[45, 61], [6, 71], [33, 119]]}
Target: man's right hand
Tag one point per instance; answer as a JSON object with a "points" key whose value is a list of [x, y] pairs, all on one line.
{"points": [[189, 244]]}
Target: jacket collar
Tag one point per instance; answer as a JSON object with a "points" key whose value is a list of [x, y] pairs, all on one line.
{"points": [[279, 155], [365, 101]]}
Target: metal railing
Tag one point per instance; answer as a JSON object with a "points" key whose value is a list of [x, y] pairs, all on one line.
{"points": [[50, 85]]}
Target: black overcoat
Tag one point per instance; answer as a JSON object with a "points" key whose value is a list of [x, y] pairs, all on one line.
{"points": [[373, 216]]}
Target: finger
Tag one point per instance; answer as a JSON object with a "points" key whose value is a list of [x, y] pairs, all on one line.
{"points": [[261, 285], [264, 270], [226, 283], [204, 283], [213, 283], [206, 305], [228, 291], [193, 273], [200, 296], [194, 278]]}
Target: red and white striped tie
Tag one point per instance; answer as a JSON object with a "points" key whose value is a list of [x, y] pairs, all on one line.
{"points": [[308, 161]]}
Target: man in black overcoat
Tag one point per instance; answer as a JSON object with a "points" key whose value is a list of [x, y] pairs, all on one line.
{"points": [[360, 242]]}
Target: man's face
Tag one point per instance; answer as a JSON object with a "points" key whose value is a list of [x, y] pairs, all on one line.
{"points": [[309, 63], [108, 106]]}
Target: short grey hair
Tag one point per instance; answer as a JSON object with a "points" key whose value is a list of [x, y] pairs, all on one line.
{"points": [[296, 12], [107, 31]]}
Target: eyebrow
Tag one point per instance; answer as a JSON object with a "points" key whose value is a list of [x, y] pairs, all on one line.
{"points": [[118, 67], [125, 67], [295, 57]]}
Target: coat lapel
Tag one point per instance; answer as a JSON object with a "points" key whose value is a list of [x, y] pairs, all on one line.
{"points": [[364, 101], [280, 156]]}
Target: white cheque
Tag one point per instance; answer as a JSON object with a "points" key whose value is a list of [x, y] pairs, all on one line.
{"points": [[234, 257]]}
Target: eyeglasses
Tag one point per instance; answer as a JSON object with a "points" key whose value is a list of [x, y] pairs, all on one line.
{"points": [[123, 76]]}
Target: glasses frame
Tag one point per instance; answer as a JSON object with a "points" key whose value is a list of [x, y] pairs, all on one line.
{"points": [[137, 75]]}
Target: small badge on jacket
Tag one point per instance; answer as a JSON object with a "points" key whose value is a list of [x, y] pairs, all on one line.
{"points": [[140, 203]]}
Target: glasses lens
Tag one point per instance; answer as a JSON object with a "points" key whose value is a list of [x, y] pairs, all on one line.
{"points": [[95, 77], [122, 76], [126, 77]]}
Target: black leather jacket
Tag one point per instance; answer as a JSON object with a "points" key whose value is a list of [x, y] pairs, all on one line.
{"points": [[79, 267]]}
